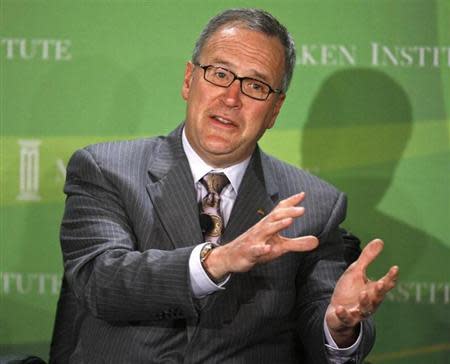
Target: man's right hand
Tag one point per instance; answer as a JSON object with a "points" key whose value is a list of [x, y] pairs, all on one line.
{"points": [[262, 243]]}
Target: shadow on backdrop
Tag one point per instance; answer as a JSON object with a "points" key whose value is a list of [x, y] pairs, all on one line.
{"points": [[358, 126]]}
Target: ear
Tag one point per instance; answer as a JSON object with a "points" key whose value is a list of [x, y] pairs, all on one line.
{"points": [[187, 80], [276, 109]]}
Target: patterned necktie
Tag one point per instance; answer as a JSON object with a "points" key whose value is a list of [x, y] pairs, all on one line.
{"points": [[210, 217]]}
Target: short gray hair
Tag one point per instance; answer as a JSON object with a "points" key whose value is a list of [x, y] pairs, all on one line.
{"points": [[253, 19]]}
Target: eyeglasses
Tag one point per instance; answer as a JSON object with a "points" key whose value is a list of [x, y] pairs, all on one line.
{"points": [[251, 87]]}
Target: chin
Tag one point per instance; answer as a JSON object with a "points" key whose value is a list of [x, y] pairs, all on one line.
{"points": [[218, 151], [218, 145]]}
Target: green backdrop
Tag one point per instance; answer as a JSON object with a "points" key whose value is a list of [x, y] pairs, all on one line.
{"points": [[368, 110]]}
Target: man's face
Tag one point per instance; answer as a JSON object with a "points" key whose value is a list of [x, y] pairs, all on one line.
{"points": [[222, 124]]}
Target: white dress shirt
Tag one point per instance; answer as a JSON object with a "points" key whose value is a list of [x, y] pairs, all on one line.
{"points": [[201, 284]]}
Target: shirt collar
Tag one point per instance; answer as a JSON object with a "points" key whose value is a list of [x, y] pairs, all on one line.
{"points": [[199, 167]]}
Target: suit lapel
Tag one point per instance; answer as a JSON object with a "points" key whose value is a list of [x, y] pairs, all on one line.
{"points": [[253, 202], [172, 192]]}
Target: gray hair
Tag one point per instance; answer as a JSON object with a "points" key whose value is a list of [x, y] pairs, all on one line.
{"points": [[253, 19]]}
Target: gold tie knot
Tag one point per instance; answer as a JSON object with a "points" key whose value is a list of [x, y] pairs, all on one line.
{"points": [[215, 182]]}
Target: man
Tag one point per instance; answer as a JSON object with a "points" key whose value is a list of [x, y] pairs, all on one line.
{"points": [[152, 276]]}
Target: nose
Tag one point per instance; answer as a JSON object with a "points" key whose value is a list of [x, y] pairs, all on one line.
{"points": [[232, 95]]}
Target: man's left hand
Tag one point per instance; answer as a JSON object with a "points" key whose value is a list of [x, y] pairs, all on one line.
{"points": [[356, 297]]}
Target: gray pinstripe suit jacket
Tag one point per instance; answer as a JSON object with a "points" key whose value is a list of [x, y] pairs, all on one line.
{"points": [[130, 224]]}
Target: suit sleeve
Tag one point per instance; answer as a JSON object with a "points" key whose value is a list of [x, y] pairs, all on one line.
{"points": [[107, 273], [316, 281]]}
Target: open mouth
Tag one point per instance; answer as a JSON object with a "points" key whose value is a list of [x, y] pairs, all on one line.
{"points": [[223, 120]]}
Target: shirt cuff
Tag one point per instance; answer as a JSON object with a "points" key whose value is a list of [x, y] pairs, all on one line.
{"points": [[332, 346], [201, 284]]}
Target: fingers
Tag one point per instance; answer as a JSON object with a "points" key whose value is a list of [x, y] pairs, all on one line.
{"points": [[262, 243], [366, 305], [347, 317], [369, 254], [280, 245], [300, 244], [284, 212], [351, 315], [288, 208], [274, 224], [282, 216], [376, 291], [391, 276], [386, 283], [292, 200]]}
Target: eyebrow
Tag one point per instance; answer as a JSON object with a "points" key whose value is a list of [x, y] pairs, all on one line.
{"points": [[256, 74]]}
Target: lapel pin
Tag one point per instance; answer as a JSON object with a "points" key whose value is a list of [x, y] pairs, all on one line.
{"points": [[260, 212]]}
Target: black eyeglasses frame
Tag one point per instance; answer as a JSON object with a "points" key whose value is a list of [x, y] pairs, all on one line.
{"points": [[235, 77]]}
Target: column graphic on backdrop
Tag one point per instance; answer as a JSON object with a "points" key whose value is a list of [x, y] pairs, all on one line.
{"points": [[29, 170]]}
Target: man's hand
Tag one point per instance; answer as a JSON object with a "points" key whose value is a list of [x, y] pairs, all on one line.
{"points": [[355, 297], [262, 242]]}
